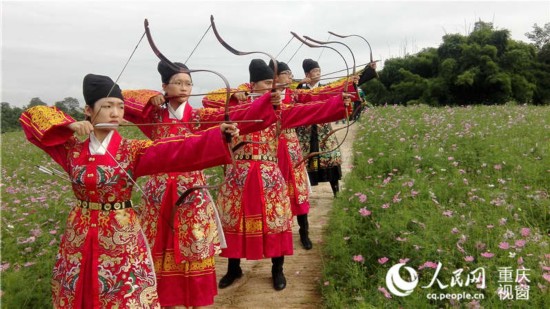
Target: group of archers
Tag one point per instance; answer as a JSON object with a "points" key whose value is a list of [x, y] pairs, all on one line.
{"points": [[113, 256]]}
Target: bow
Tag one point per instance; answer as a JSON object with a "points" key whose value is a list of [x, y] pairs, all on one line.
{"points": [[176, 68], [354, 35], [370, 52], [181, 70], [241, 53], [354, 85], [345, 87]]}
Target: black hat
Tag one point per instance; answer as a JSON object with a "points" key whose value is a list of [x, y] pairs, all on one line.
{"points": [[259, 71], [281, 66], [96, 87], [309, 64], [166, 72]]}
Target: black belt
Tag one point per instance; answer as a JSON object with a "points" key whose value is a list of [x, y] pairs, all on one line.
{"points": [[104, 206], [255, 157]]}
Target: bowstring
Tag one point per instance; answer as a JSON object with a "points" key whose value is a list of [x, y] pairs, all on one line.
{"points": [[209, 26], [126, 64]]}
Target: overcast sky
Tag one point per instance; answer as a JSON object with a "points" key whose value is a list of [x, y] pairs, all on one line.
{"points": [[49, 46]]}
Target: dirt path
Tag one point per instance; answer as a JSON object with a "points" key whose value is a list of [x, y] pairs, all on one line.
{"points": [[302, 270]]}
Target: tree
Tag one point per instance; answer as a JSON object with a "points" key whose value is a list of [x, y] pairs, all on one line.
{"points": [[35, 102], [540, 36], [483, 67], [10, 117], [70, 106]]}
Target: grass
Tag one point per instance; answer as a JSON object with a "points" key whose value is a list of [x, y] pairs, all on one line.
{"points": [[466, 187]]}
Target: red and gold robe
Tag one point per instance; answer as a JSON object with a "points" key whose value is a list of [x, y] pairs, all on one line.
{"points": [[254, 204], [184, 259], [104, 260], [326, 166]]}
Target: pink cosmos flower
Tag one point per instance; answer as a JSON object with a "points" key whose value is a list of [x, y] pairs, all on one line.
{"points": [[362, 198], [384, 291], [414, 193], [520, 260], [396, 198], [504, 245], [520, 243], [386, 205], [358, 258], [448, 213], [497, 167], [383, 260], [474, 304], [364, 212], [525, 231], [428, 264], [469, 258], [487, 255], [546, 277], [404, 261]]}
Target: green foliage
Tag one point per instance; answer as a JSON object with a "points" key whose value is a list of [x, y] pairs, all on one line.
{"points": [[71, 107], [442, 185], [540, 35], [10, 118], [484, 67]]}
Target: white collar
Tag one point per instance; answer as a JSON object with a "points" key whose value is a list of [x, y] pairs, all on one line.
{"points": [[97, 148], [178, 113]]}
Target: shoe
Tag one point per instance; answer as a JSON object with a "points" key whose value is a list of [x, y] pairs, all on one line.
{"points": [[304, 239], [229, 278], [279, 280]]}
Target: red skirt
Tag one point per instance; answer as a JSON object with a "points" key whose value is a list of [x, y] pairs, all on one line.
{"points": [[181, 281], [255, 211]]}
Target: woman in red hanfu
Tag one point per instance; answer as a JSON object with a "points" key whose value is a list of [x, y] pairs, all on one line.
{"points": [[104, 260], [183, 251], [254, 204]]}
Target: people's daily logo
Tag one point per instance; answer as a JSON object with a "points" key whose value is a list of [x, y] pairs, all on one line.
{"points": [[397, 285]]}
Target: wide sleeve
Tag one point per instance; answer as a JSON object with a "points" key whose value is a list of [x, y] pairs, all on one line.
{"points": [[138, 109], [313, 112], [182, 153], [46, 127], [259, 109], [324, 92], [367, 74], [217, 98]]}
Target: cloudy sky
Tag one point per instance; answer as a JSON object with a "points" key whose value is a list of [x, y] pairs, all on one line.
{"points": [[48, 46]]}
